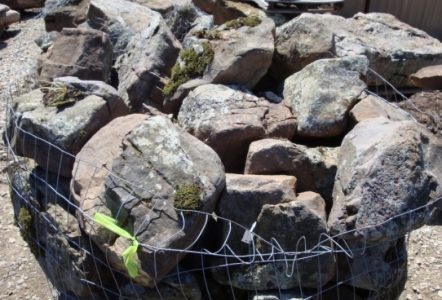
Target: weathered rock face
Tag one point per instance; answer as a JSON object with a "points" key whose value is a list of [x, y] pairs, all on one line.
{"points": [[426, 108], [7, 17], [241, 55], [146, 64], [299, 43], [161, 6], [83, 53], [158, 170], [271, 156], [66, 115], [228, 120], [23, 4], [70, 15], [428, 78], [386, 169], [181, 19], [121, 20], [224, 11], [395, 50], [373, 107], [48, 224], [378, 267], [323, 93], [287, 223]]}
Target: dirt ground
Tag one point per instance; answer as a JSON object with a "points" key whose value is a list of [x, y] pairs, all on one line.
{"points": [[20, 274]]}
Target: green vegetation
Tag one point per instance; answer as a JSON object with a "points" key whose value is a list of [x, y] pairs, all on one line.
{"points": [[27, 231], [251, 21], [59, 95], [194, 66], [187, 197], [208, 34]]}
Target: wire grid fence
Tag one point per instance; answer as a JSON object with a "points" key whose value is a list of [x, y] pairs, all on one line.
{"points": [[80, 268]]}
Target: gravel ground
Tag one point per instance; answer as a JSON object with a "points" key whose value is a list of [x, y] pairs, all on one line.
{"points": [[20, 274]]}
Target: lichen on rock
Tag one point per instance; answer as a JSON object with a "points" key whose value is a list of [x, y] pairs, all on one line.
{"points": [[250, 21]]}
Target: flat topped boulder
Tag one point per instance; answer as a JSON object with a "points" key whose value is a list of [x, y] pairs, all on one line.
{"points": [[228, 119], [151, 176], [428, 78], [395, 50]]}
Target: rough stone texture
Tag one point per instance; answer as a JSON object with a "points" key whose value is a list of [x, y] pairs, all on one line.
{"points": [[426, 108], [55, 228], [428, 78], [373, 107], [315, 168], [137, 148], [121, 20], [386, 169], [146, 64], [378, 267], [70, 15], [395, 50], [228, 120], [241, 56], [84, 53], [287, 223], [224, 11], [46, 40], [68, 128], [8, 16], [23, 4], [161, 6], [300, 42], [323, 93]]}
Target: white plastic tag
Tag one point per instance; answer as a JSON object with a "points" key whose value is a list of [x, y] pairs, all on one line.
{"points": [[248, 236]]}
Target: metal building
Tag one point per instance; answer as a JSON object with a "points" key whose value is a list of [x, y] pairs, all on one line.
{"points": [[422, 14]]}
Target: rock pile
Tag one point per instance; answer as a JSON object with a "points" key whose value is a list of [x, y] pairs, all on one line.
{"points": [[176, 138]]}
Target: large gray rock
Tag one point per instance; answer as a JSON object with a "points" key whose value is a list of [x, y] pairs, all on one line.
{"points": [[373, 107], [54, 125], [240, 56], [282, 231], [377, 267], [323, 93], [395, 50], [157, 170], [83, 53], [49, 226], [315, 168], [7, 17], [65, 14], [228, 120], [146, 63], [23, 4], [121, 20], [428, 78], [386, 170]]}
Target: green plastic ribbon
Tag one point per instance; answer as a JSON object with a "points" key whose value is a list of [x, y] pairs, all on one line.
{"points": [[128, 255]]}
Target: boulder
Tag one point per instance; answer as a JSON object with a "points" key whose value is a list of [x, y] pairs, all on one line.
{"points": [[426, 108], [315, 168], [52, 124], [65, 14], [146, 64], [48, 224], [234, 53], [121, 20], [153, 178], [282, 232], [395, 50], [8, 16], [376, 267], [224, 10], [323, 93], [83, 53], [164, 7], [387, 171], [374, 107], [228, 119], [428, 78], [23, 4]]}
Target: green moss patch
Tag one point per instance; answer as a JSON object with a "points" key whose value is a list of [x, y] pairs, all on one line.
{"points": [[194, 66], [187, 197], [27, 231], [251, 21], [208, 34]]}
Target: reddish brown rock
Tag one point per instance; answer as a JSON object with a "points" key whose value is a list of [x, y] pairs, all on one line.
{"points": [[428, 78]]}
